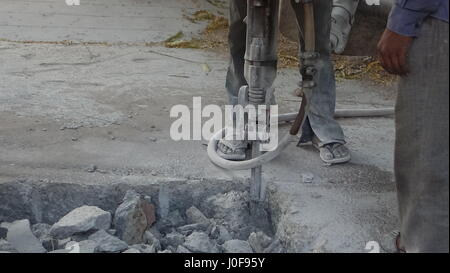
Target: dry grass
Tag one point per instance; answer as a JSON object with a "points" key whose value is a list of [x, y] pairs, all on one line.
{"points": [[214, 37]]}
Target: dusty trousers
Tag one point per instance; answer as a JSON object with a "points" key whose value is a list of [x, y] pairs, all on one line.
{"points": [[320, 121], [422, 137]]}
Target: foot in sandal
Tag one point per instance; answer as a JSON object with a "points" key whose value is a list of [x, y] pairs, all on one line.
{"points": [[332, 153], [234, 150]]}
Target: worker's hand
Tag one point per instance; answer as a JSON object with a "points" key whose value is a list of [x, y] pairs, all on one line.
{"points": [[392, 52]]}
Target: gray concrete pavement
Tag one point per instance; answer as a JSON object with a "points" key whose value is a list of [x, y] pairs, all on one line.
{"points": [[65, 108]]}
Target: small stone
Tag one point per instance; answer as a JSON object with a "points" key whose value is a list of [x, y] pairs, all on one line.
{"points": [[224, 235], [6, 246], [199, 242], [144, 248], [230, 210], [154, 173], [107, 243], [152, 139], [182, 249], [131, 251], [5, 225], [86, 246], [259, 241], [22, 238], [3, 232], [74, 139], [151, 239], [275, 247], [172, 239], [111, 231], [194, 215], [83, 236], [307, 178], [167, 251], [41, 229], [79, 220], [92, 169], [63, 242], [175, 219], [59, 251], [319, 246], [188, 229], [132, 217], [237, 246]]}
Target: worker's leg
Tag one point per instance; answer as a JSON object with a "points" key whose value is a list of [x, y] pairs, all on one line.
{"points": [[237, 43], [235, 149], [321, 122], [421, 152]]}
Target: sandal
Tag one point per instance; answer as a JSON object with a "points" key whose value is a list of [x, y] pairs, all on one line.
{"points": [[234, 150], [332, 153]]}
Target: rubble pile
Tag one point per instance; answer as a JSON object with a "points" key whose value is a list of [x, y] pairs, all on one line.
{"points": [[222, 224]]}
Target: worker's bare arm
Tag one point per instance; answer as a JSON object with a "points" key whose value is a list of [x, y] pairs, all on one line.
{"points": [[392, 51]]}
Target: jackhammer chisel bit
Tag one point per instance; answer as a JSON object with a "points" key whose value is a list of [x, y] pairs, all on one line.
{"points": [[260, 71]]}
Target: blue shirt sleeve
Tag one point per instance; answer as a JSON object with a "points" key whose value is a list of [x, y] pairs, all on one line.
{"points": [[407, 15]]}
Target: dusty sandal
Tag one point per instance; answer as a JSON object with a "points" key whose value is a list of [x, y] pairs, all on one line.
{"points": [[333, 153], [232, 149]]}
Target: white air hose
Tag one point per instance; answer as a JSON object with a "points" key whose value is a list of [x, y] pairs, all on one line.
{"points": [[246, 164]]}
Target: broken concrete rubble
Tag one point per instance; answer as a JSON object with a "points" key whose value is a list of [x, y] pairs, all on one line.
{"points": [[41, 229], [86, 246], [3, 232], [199, 242], [133, 217], [152, 237], [230, 210], [182, 249], [22, 238], [107, 243], [6, 246], [80, 220], [173, 239], [259, 241], [88, 229], [195, 216], [237, 246], [132, 251], [144, 248]]}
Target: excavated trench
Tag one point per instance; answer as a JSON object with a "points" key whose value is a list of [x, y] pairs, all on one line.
{"points": [[183, 215]]}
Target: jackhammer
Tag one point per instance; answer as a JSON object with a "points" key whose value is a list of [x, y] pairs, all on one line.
{"points": [[260, 73]]}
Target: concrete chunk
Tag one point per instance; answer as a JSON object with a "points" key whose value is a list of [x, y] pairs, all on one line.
{"points": [[237, 246], [130, 219], [107, 243], [259, 241], [199, 242], [22, 239], [194, 216], [6, 246], [81, 219]]}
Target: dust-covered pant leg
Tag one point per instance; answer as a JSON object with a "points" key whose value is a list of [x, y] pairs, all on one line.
{"points": [[320, 121], [421, 149], [237, 45], [322, 104]]}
